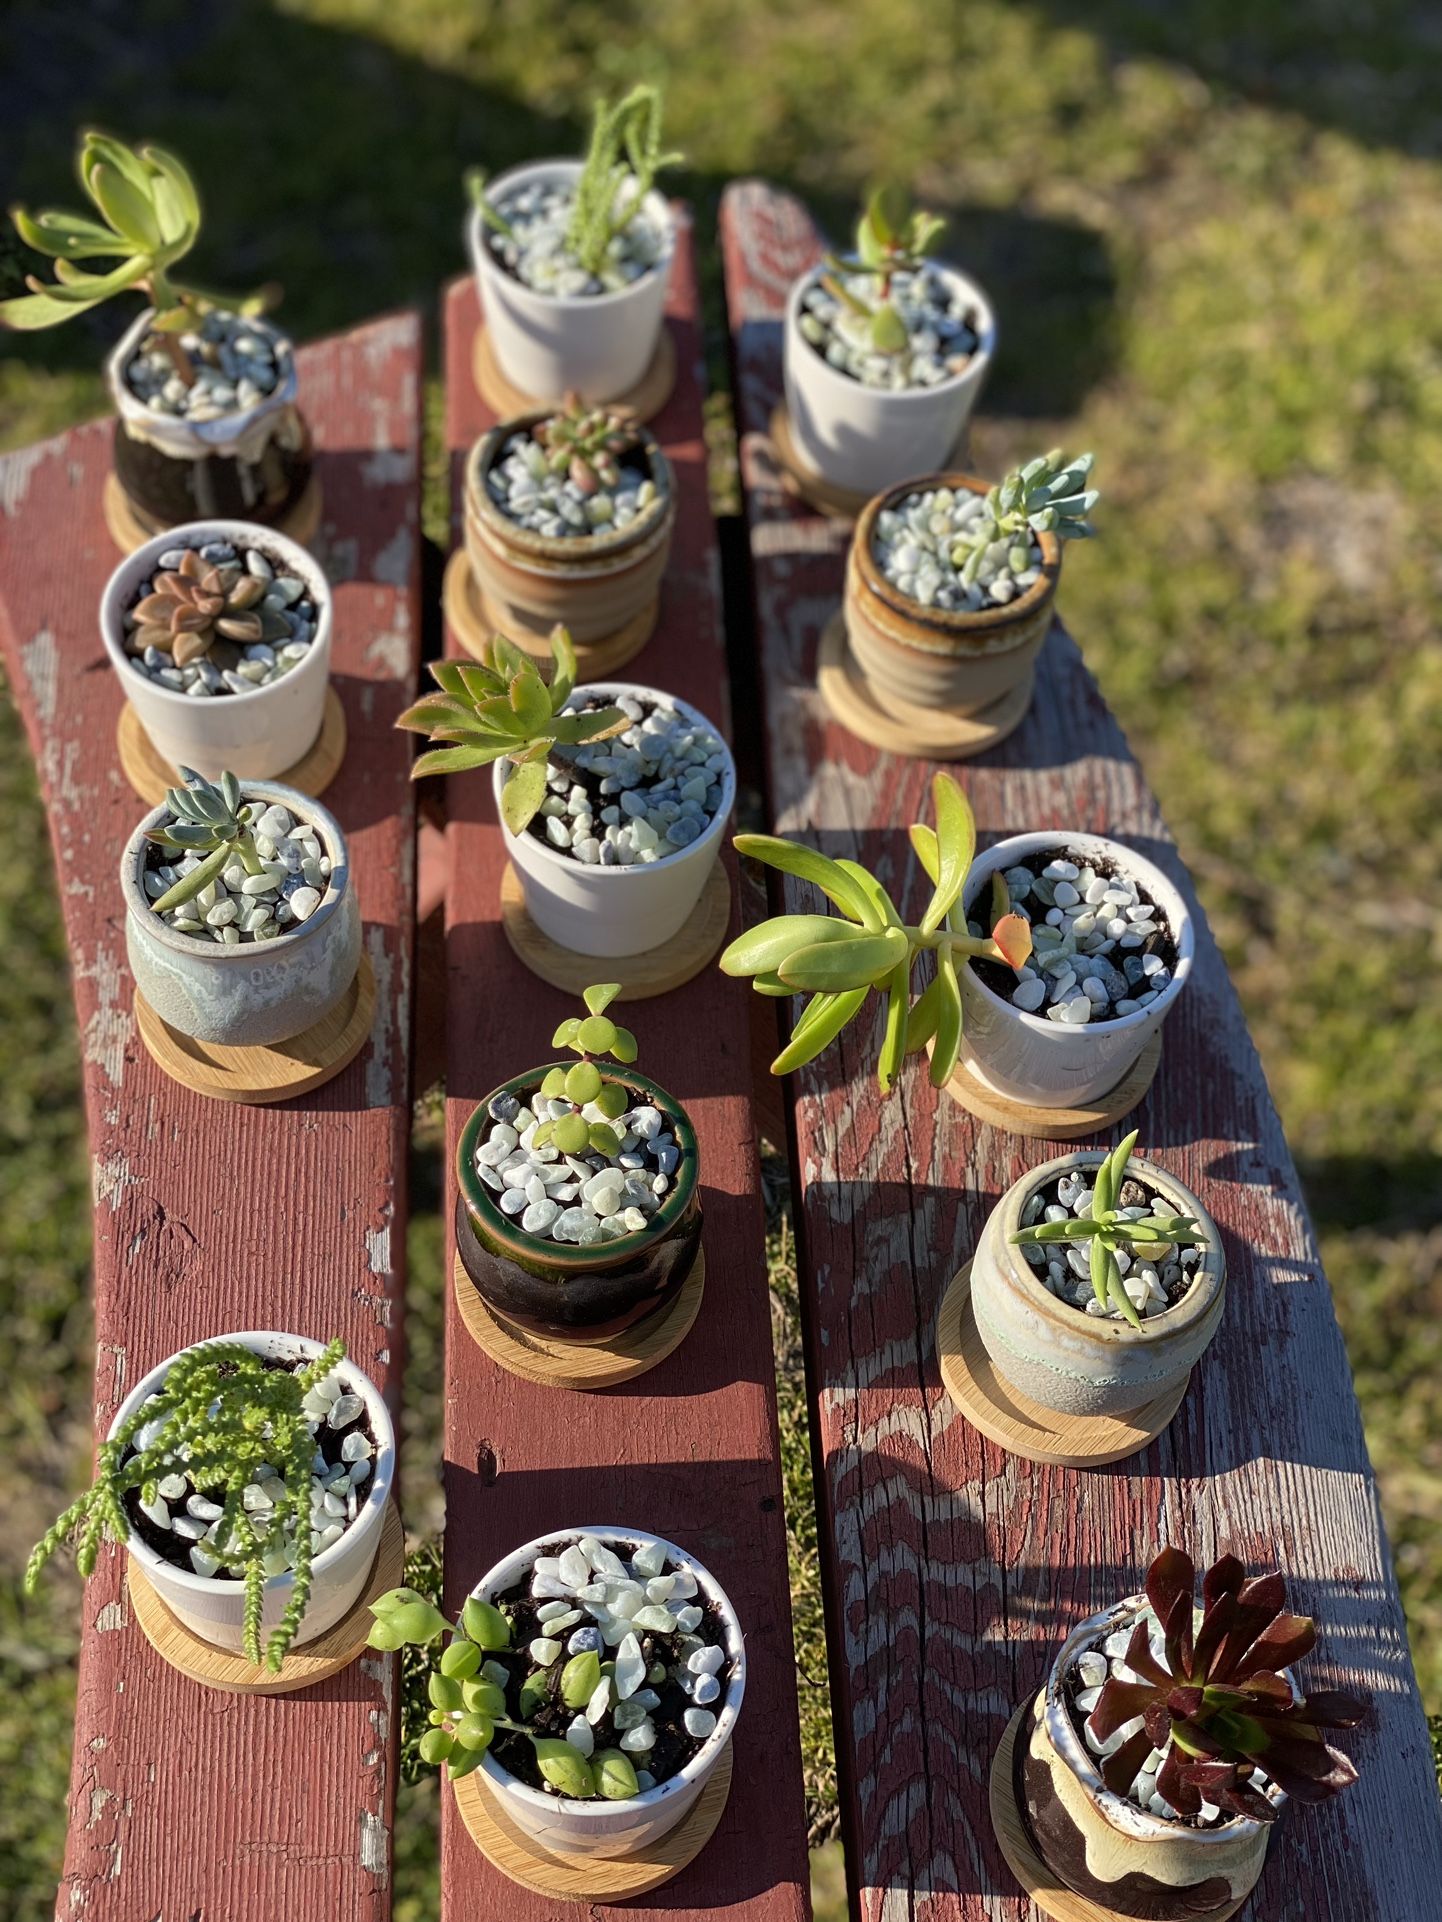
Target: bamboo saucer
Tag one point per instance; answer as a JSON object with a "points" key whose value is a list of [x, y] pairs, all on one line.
{"points": [[150, 774], [929, 734], [1055, 1124], [130, 527], [654, 971]]}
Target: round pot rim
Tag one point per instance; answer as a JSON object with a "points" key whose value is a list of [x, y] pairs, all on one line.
{"points": [[229, 426], [378, 1487], [137, 902], [569, 1256], [949, 620], [1119, 1811], [901, 396], [513, 1565], [704, 842], [115, 602], [568, 549], [654, 202], [1165, 894]]}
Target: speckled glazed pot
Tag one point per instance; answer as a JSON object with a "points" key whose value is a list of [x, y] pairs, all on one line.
{"points": [[555, 1287], [257, 993], [612, 1829], [591, 583], [940, 658], [1102, 1845], [1082, 1364]]}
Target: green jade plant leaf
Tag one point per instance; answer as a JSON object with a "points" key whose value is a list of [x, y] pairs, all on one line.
{"points": [[839, 959], [583, 1085], [209, 820], [891, 238], [500, 707]]}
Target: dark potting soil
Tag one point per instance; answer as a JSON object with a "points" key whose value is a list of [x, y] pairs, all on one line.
{"points": [[674, 1748]]}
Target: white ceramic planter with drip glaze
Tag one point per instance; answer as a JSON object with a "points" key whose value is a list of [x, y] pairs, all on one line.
{"points": [[241, 432]]}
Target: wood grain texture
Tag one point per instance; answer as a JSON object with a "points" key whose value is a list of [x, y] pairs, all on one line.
{"points": [[690, 1450], [954, 1570], [210, 1218]]}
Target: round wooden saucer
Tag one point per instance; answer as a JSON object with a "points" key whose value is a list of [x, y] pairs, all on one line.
{"points": [[260, 1075], [150, 774], [930, 734], [588, 1878], [1050, 1895], [656, 971], [645, 400], [580, 1365], [1015, 1422], [1056, 1124], [474, 616], [130, 528], [302, 1667], [802, 481]]}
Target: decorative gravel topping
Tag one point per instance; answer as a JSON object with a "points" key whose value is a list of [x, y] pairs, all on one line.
{"points": [[238, 363], [237, 906], [1153, 1283], [1101, 948], [528, 489], [536, 250], [580, 1198], [921, 545], [218, 619], [637, 797], [941, 321]]}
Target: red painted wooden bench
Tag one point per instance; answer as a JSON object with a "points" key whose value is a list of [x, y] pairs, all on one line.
{"points": [[955, 1570], [211, 1218]]}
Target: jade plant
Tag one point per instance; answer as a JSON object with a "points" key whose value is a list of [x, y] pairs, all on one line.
{"points": [[1048, 495], [838, 960], [891, 238], [1218, 1701], [209, 820], [1109, 1230], [585, 443], [223, 1422], [589, 1036], [499, 707]]}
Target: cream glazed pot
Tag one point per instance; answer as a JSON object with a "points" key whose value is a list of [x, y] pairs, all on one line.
{"points": [[257, 992], [1065, 1359], [214, 1608], [1102, 1845], [609, 1829]]}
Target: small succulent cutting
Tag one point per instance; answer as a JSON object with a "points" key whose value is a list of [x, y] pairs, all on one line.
{"points": [[590, 1035], [1110, 1229], [192, 606], [1218, 1701], [891, 238], [839, 960], [500, 707], [585, 443], [212, 821], [1049, 495], [223, 1422]]}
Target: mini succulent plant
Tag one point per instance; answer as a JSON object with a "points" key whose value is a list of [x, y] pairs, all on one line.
{"points": [[148, 219], [1219, 1700], [222, 1416], [584, 443], [500, 707], [891, 238], [1109, 1229], [1049, 495], [588, 1035], [839, 960], [192, 606], [210, 820]]}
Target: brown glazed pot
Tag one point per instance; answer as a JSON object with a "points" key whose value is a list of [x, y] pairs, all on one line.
{"points": [[1102, 1845], [171, 490], [592, 584], [557, 1288], [940, 658]]}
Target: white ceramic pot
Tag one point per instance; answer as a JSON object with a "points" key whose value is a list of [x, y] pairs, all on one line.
{"points": [[1082, 1364], [254, 735], [213, 1607], [258, 992], [868, 439], [243, 433], [549, 345], [617, 911], [1051, 1063], [610, 1829]]}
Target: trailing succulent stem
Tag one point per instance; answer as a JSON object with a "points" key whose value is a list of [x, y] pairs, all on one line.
{"points": [[838, 960], [583, 1085], [1109, 1229], [891, 238], [211, 821], [584, 443], [500, 707]]}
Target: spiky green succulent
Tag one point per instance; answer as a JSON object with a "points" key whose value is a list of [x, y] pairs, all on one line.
{"points": [[500, 707], [892, 237], [211, 820], [1049, 495], [592, 1036], [585, 443]]}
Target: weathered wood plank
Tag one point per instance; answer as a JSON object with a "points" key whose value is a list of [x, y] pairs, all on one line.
{"points": [[955, 1571], [690, 1450], [211, 1218]]}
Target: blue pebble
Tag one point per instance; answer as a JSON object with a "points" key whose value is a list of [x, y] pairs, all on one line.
{"points": [[585, 1641]]}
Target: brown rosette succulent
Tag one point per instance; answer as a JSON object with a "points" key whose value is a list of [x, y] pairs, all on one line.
{"points": [[192, 606], [585, 443]]}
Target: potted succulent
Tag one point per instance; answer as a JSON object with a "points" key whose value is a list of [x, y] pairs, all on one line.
{"points": [[568, 518], [204, 387], [572, 256], [242, 924], [220, 632], [1098, 1282], [613, 797], [594, 1677], [950, 584], [1168, 1739], [579, 1205], [248, 1478], [885, 353]]}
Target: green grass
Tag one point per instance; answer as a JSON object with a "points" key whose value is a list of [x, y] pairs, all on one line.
{"points": [[1212, 233]]}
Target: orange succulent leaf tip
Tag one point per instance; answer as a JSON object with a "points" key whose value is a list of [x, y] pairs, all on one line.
{"points": [[1012, 935]]}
